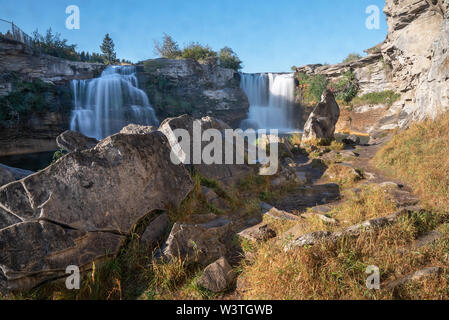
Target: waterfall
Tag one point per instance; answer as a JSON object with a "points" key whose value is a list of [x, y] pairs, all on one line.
{"points": [[272, 102], [103, 106]]}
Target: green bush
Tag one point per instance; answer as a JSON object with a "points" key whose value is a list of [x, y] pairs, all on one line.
{"points": [[198, 52], [228, 59], [311, 88], [26, 98], [384, 97], [346, 87]]}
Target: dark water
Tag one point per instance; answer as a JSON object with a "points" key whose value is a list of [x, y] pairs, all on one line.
{"points": [[30, 161]]}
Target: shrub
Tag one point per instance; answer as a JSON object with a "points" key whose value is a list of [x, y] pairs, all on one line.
{"points": [[352, 57], [346, 87], [311, 88], [198, 52], [228, 59], [385, 97]]}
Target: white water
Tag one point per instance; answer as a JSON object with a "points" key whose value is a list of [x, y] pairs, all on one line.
{"points": [[103, 106], [272, 102]]}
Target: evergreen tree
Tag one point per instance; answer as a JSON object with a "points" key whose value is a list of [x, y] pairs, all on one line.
{"points": [[108, 50], [168, 49]]}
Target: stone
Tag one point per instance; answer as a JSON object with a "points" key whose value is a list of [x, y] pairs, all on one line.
{"points": [[6, 176], [352, 140], [227, 174], [260, 232], [201, 243], [217, 277], [16, 173], [79, 209], [138, 129], [212, 198], [322, 121], [155, 231], [73, 141], [417, 276], [342, 172], [275, 213]]}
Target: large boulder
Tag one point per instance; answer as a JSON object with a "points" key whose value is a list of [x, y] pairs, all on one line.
{"points": [[79, 209], [74, 141], [227, 174], [322, 121]]}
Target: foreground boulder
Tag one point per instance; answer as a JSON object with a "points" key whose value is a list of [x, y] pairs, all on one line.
{"points": [[137, 129], [217, 277], [322, 121], [74, 141], [79, 209]]}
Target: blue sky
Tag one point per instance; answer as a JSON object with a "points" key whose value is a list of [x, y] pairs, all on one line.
{"points": [[268, 35]]}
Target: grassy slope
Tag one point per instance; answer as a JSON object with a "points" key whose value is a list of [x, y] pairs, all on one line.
{"points": [[417, 156]]}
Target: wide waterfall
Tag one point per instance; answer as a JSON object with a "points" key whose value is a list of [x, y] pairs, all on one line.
{"points": [[103, 106], [272, 102]]}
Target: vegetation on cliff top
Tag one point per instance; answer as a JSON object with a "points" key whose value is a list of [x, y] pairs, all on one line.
{"points": [[170, 49]]}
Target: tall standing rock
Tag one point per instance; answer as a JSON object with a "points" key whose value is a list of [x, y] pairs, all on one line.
{"points": [[322, 121], [79, 209]]}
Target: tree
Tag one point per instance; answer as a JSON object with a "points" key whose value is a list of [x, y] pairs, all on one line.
{"points": [[198, 52], [108, 50], [168, 49], [229, 59]]}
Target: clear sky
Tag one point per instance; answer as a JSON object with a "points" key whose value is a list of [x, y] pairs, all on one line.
{"points": [[268, 35]]}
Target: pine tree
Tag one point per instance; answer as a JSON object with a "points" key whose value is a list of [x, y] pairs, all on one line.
{"points": [[108, 50]]}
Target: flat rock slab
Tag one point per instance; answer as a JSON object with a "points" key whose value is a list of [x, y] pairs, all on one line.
{"points": [[260, 232]]}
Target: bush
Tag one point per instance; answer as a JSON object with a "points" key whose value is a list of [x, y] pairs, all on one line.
{"points": [[352, 57], [346, 87], [228, 59], [311, 88], [384, 97], [198, 52]]}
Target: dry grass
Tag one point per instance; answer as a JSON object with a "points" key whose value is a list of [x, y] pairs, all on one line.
{"points": [[337, 270], [419, 156]]}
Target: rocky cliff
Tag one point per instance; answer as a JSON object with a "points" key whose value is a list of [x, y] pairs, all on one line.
{"points": [[35, 97], [177, 87], [413, 61]]}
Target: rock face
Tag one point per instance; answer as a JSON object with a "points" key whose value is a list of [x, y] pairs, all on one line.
{"points": [[177, 87], [227, 174], [74, 141], [217, 277], [79, 209], [36, 131], [322, 121], [412, 61]]}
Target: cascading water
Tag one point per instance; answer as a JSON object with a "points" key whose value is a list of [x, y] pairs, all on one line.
{"points": [[272, 102], [105, 105]]}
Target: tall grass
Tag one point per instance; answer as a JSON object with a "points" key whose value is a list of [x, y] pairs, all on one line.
{"points": [[419, 156]]}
